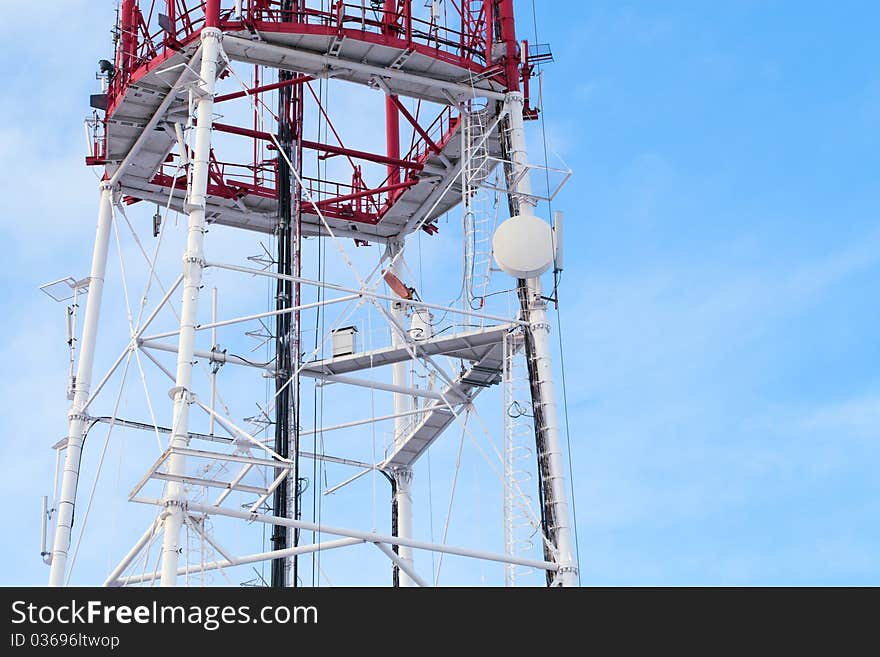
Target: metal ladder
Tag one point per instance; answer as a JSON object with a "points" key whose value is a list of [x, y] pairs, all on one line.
{"points": [[519, 435], [478, 202]]}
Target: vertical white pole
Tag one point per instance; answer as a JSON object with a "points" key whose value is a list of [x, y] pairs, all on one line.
{"points": [[77, 419], [193, 266], [540, 330], [402, 476]]}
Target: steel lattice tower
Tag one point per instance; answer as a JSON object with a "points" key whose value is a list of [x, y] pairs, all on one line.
{"points": [[189, 79]]}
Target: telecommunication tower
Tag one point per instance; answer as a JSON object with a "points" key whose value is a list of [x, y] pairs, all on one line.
{"points": [[219, 113]]}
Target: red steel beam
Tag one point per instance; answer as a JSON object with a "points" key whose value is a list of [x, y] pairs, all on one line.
{"points": [[221, 190], [266, 87], [415, 124], [324, 148], [392, 137], [128, 37], [368, 192], [508, 36], [212, 13], [244, 132], [361, 155]]}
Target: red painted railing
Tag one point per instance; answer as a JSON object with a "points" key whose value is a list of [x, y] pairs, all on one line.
{"points": [[149, 28]]}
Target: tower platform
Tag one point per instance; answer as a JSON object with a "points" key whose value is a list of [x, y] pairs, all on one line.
{"points": [[143, 107]]}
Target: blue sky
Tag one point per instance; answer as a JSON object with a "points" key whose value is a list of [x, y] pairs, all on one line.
{"points": [[718, 304]]}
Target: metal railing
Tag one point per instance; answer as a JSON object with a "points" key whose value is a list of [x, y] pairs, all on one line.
{"points": [[157, 26]]}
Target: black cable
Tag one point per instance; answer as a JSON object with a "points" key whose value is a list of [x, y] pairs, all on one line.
{"points": [[395, 569], [252, 362], [79, 465]]}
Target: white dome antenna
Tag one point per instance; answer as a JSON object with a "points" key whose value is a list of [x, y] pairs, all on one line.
{"points": [[523, 246]]}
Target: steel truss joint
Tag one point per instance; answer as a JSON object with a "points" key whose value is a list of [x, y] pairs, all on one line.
{"points": [[178, 392], [212, 32], [540, 326], [402, 473], [189, 259], [169, 503]]}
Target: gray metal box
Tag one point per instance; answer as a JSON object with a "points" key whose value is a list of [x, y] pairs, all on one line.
{"points": [[344, 341]]}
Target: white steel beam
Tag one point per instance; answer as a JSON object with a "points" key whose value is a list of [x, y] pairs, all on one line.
{"points": [[235, 458], [351, 479], [242, 473], [249, 318], [370, 537], [378, 385], [220, 357], [260, 52], [196, 525], [403, 475], [128, 347], [207, 483], [238, 561], [76, 416], [357, 423], [405, 566], [362, 292], [132, 554], [193, 267], [210, 356]]}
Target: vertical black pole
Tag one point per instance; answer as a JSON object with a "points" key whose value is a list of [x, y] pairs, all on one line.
{"points": [[283, 334]]}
